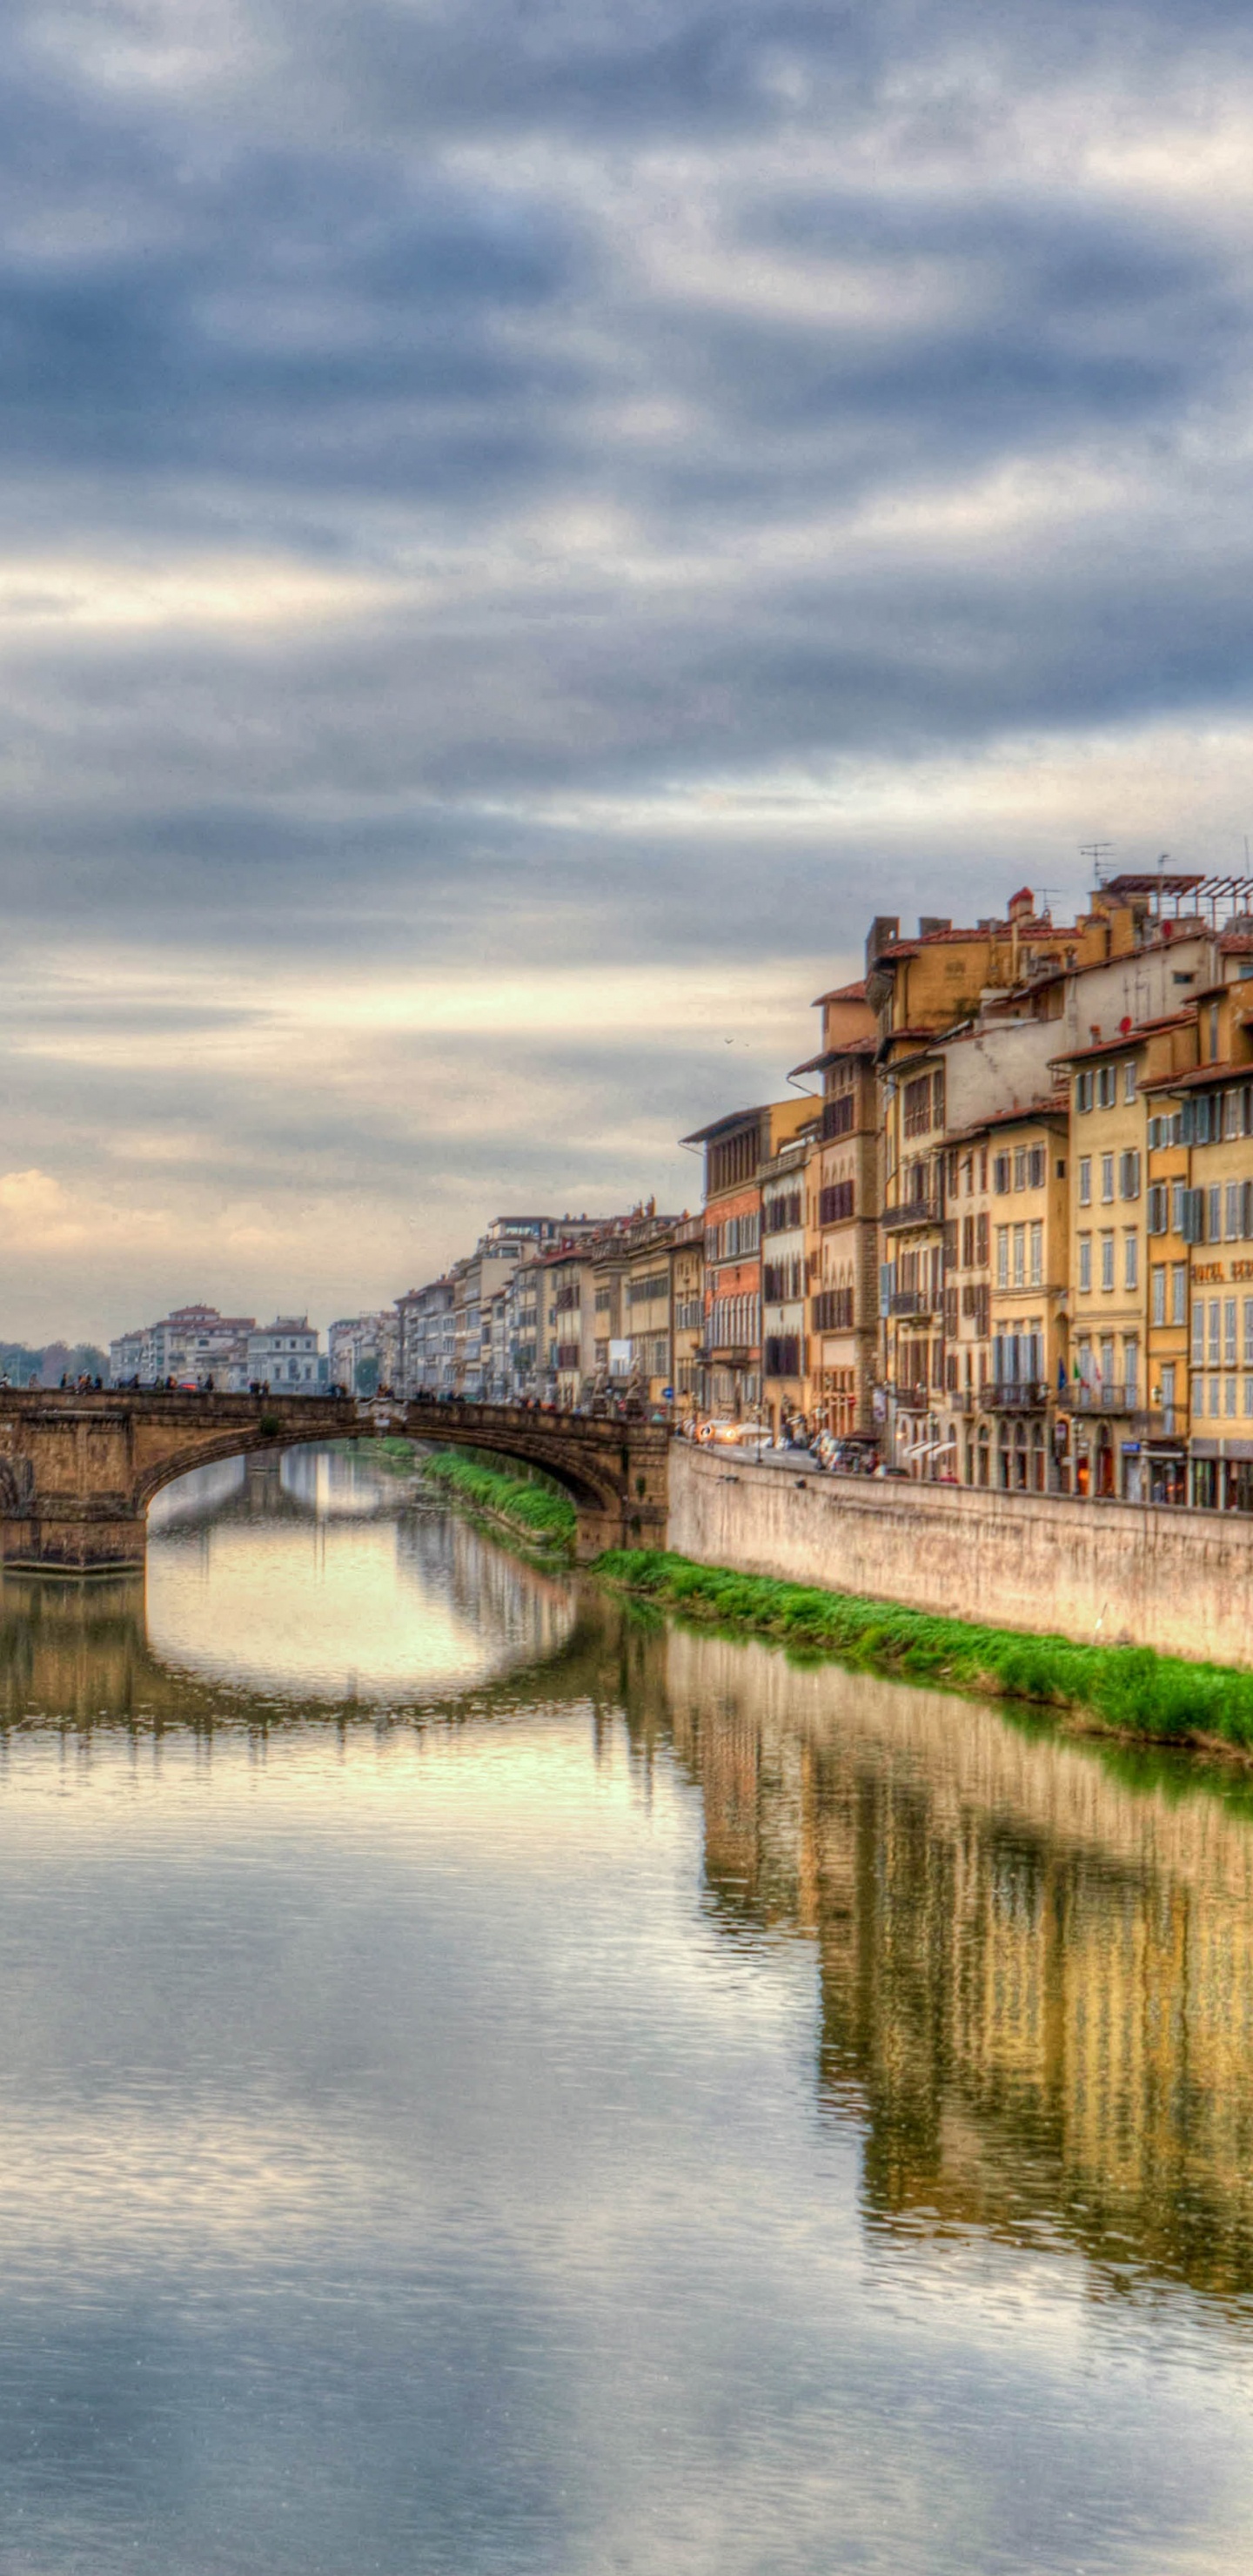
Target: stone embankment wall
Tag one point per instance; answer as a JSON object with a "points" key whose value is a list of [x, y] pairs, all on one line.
{"points": [[1110, 1572]]}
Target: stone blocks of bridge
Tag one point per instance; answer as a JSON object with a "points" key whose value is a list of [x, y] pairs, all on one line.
{"points": [[78, 1471]]}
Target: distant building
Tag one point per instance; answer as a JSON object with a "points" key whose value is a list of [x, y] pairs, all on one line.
{"points": [[364, 1351], [285, 1357], [426, 1320], [190, 1345], [126, 1357]]}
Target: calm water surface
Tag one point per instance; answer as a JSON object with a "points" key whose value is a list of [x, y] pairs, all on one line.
{"points": [[484, 2086]]}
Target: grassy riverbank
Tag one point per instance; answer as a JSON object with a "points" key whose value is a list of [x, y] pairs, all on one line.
{"points": [[534, 1511], [1129, 1690]]}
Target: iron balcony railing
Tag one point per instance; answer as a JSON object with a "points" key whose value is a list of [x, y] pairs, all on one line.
{"points": [[1016, 1395], [911, 1212], [916, 1399], [1104, 1396], [914, 1301]]}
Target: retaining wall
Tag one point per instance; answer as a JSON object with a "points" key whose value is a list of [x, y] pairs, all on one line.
{"points": [[1118, 1572]]}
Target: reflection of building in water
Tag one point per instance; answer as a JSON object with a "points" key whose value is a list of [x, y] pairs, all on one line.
{"points": [[1036, 1981], [529, 1611]]}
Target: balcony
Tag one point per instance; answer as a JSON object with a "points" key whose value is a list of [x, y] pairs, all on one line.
{"points": [[1167, 1423], [1104, 1397], [917, 1399], [914, 1301], [1016, 1395], [914, 1212]]}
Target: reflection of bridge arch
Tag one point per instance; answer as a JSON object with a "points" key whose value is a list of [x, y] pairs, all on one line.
{"points": [[77, 1472], [79, 1655]]}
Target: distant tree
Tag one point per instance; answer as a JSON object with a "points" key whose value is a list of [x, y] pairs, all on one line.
{"points": [[20, 1364], [54, 1363], [368, 1374]]}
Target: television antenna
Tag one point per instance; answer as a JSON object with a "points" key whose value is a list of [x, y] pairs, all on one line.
{"points": [[1100, 853]]}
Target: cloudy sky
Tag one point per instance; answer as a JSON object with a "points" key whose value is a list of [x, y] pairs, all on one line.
{"points": [[522, 526]]}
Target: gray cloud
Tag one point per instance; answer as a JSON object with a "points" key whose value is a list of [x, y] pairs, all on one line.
{"points": [[494, 488]]}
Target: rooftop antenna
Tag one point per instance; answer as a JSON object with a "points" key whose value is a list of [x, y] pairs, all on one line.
{"points": [[1099, 853]]}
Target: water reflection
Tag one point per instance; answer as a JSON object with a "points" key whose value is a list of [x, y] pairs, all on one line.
{"points": [[1036, 1981], [317, 1576], [606, 2098]]}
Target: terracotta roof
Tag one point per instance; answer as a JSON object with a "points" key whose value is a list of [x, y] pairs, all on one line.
{"points": [[1057, 1106], [1200, 1075], [833, 1055], [722, 1126], [845, 993]]}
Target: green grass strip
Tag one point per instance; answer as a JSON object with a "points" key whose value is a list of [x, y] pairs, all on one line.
{"points": [[534, 1510], [1131, 1690]]}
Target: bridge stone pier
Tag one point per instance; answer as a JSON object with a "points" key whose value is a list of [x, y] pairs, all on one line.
{"points": [[78, 1471]]}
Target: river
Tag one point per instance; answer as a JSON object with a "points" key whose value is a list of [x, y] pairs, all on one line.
{"points": [[492, 2083]]}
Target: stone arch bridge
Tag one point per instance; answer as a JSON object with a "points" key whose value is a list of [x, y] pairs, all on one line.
{"points": [[78, 1471]]}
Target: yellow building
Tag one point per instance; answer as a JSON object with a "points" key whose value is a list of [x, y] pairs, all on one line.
{"points": [[687, 1281], [968, 1306], [843, 1237], [1029, 1276], [1216, 1217], [1118, 1443]]}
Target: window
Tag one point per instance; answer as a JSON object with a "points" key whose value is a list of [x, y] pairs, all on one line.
{"points": [[1035, 1168], [1159, 1208], [1131, 1370], [1106, 1086], [1085, 1180], [1083, 1092], [1159, 1292], [917, 1101], [1085, 1264], [1107, 1261], [1020, 1167], [1129, 1176], [1214, 1213], [835, 1203], [1231, 1114], [1107, 1178], [1037, 1256], [1020, 1256], [1248, 1332], [1213, 1033], [1107, 1363], [1229, 1332], [1000, 1174], [983, 1233], [837, 1117], [1215, 1330], [1229, 1395], [1131, 1258], [1198, 1335], [1002, 1256], [1129, 1082]]}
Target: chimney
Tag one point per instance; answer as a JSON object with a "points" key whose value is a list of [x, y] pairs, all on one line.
{"points": [[883, 931]]}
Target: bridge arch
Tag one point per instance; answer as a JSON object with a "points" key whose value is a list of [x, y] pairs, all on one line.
{"points": [[79, 1470]]}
